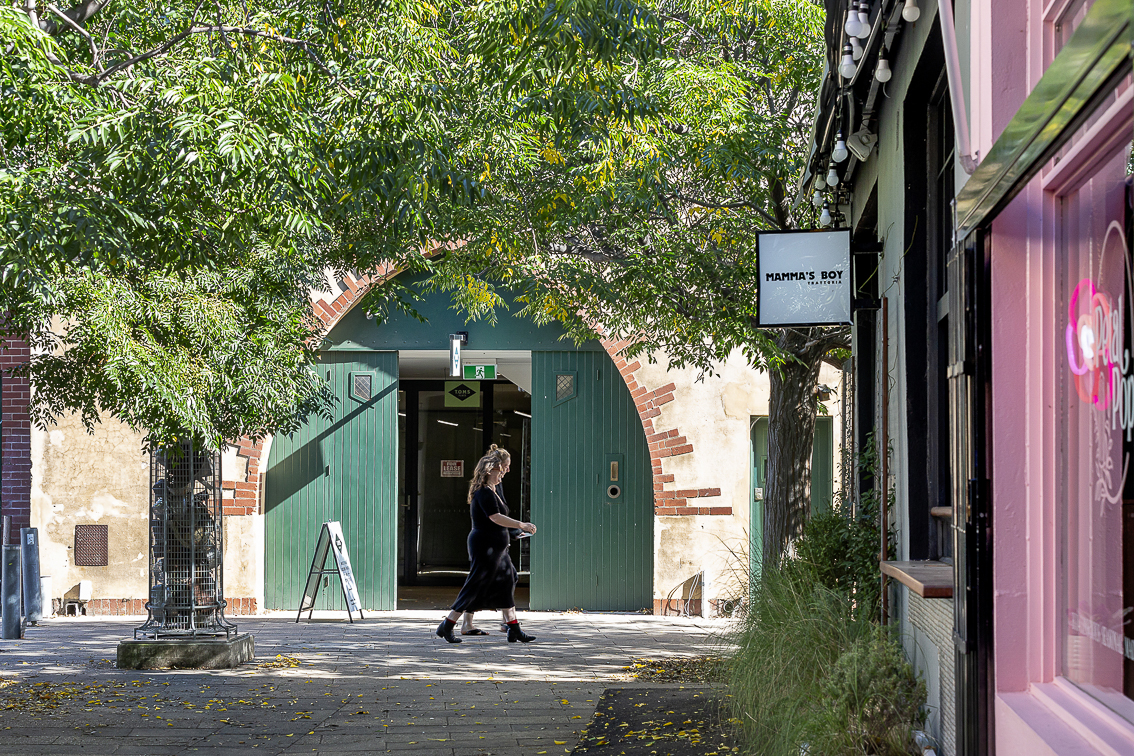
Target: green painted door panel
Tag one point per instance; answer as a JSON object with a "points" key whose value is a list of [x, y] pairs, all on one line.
{"points": [[592, 551], [823, 465], [822, 477], [343, 468]]}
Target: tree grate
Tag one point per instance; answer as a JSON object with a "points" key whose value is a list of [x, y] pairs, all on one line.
{"points": [[186, 545]]}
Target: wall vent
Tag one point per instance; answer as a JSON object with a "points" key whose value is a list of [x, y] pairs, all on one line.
{"points": [[90, 546]]}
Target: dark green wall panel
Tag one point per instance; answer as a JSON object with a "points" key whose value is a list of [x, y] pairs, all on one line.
{"points": [[591, 552], [343, 468], [400, 331]]}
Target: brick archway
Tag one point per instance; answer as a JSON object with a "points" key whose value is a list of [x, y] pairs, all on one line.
{"points": [[247, 486]]}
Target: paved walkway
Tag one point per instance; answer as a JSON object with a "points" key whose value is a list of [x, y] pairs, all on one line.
{"points": [[384, 684]]}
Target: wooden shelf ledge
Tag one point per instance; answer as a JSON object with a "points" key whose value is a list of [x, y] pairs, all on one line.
{"points": [[926, 579]]}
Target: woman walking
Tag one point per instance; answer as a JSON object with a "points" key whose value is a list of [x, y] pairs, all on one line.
{"points": [[491, 583]]}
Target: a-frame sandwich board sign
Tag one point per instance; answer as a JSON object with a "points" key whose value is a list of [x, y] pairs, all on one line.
{"points": [[330, 540]]}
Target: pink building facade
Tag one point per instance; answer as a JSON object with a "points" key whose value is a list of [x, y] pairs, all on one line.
{"points": [[997, 360], [1062, 413]]}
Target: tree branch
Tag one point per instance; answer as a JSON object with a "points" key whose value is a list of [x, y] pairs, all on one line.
{"points": [[729, 206], [69, 22], [301, 44], [76, 16]]}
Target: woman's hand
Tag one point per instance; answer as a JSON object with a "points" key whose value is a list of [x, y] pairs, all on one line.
{"points": [[528, 527]]}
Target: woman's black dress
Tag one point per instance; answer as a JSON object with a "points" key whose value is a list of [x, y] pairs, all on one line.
{"points": [[491, 583]]}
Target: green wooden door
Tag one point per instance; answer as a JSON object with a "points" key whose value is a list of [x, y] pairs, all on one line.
{"points": [[593, 550], [822, 478], [343, 468]]}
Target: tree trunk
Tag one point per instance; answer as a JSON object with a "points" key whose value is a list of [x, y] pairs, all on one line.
{"points": [[791, 437]]}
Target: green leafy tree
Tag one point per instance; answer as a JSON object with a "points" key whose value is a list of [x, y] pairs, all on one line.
{"points": [[175, 178], [644, 224]]}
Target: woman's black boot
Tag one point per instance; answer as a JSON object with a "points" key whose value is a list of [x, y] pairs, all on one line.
{"points": [[516, 634], [445, 630]]}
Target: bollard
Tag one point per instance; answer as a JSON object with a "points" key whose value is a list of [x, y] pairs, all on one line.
{"points": [[33, 597], [11, 626], [45, 595]]}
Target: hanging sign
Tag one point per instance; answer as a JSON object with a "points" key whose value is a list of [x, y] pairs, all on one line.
{"points": [[330, 541], [804, 278], [480, 372], [462, 394]]}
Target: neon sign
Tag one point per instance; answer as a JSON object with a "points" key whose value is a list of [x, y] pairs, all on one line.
{"points": [[1099, 361]]}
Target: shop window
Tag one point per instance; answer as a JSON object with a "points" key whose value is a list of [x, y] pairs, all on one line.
{"points": [[1096, 486], [565, 386]]}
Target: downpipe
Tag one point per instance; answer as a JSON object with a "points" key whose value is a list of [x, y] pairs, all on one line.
{"points": [[968, 159]]}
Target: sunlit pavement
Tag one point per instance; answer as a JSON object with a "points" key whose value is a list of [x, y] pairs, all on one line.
{"points": [[382, 684]]}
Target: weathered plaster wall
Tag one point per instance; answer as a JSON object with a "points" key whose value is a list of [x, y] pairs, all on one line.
{"points": [[101, 479], [712, 474], [244, 557]]}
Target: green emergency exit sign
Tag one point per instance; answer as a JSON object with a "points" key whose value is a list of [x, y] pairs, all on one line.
{"points": [[479, 372]]}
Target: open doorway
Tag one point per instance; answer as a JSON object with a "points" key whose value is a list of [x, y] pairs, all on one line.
{"points": [[444, 427]]}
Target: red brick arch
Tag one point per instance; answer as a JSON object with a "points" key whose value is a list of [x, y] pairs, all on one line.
{"points": [[247, 494]]}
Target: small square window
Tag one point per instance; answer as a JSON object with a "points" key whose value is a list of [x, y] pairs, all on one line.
{"points": [[565, 386], [362, 386]]}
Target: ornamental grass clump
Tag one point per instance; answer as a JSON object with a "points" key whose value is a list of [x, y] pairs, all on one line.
{"points": [[795, 632], [870, 702]]}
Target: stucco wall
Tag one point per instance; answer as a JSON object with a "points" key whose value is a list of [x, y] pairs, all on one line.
{"points": [[102, 478], [714, 414], [80, 478]]}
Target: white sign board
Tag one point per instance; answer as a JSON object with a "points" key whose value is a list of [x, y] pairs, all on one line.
{"points": [[805, 278], [342, 559], [452, 468]]}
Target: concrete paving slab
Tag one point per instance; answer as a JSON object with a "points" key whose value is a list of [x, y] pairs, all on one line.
{"points": [[385, 684]]}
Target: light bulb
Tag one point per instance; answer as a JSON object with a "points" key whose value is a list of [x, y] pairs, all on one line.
{"points": [[820, 183], [883, 72], [863, 20], [847, 67], [911, 12], [839, 154], [856, 49], [851, 26], [825, 216], [817, 198], [832, 176]]}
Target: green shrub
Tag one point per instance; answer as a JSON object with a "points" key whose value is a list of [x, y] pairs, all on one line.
{"points": [[842, 551], [870, 702], [811, 665], [795, 632]]}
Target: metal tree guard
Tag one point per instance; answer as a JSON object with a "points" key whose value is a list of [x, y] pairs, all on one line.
{"points": [[186, 546]]}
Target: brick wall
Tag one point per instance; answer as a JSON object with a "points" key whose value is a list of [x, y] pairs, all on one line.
{"points": [[934, 617], [105, 607], [664, 443], [245, 492], [15, 482]]}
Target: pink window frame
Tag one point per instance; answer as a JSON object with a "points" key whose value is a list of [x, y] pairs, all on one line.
{"points": [[1036, 710]]}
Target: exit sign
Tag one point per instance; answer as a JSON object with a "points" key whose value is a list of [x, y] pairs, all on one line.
{"points": [[480, 372]]}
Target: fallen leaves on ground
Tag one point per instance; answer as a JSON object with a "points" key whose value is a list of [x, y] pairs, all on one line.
{"points": [[281, 661], [47, 696], [678, 669]]}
